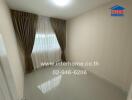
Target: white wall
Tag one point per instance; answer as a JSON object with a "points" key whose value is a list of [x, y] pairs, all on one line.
{"points": [[6, 29], [96, 35]]}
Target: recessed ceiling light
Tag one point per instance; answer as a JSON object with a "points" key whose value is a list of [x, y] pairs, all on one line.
{"points": [[61, 3]]}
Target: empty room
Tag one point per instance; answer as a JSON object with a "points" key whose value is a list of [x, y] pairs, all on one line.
{"points": [[65, 49]]}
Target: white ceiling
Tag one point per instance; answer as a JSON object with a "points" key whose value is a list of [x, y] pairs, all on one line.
{"points": [[47, 8]]}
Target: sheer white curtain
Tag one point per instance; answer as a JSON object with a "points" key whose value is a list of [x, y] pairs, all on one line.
{"points": [[46, 47]]}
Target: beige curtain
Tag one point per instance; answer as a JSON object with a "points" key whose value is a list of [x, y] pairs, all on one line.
{"points": [[59, 26], [25, 25]]}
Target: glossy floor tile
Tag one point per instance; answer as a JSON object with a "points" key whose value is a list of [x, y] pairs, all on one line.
{"points": [[43, 85]]}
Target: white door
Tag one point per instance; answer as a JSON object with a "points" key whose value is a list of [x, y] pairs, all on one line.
{"points": [[4, 91], [7, 86]]}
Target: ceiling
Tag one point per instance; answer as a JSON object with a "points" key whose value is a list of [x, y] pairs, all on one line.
{"points": [[48, 8]]}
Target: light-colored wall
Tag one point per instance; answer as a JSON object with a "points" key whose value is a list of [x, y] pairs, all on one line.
{"points": [[96, 35], [6, 29]]}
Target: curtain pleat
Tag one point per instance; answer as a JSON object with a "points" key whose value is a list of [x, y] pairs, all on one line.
{"points": [[25, 25], [59, 27]]}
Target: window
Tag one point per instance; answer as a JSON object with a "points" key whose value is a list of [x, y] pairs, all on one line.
{"points": [[45, 42]]}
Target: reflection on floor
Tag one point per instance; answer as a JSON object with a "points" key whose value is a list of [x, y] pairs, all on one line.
{"points": [[43, 85], [49, 85]]}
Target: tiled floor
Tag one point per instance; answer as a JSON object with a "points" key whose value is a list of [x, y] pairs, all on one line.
{"points": [[43, 85]]}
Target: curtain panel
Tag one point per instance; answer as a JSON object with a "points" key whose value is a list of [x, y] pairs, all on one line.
{"points": [[46, 47], [59, 26], [25, 25]]}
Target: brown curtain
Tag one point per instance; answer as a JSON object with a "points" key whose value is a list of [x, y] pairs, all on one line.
{"points": [[25, 25], [59, 27]]}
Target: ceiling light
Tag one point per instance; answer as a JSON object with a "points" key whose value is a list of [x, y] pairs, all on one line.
{"points": [[61, 3]]}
